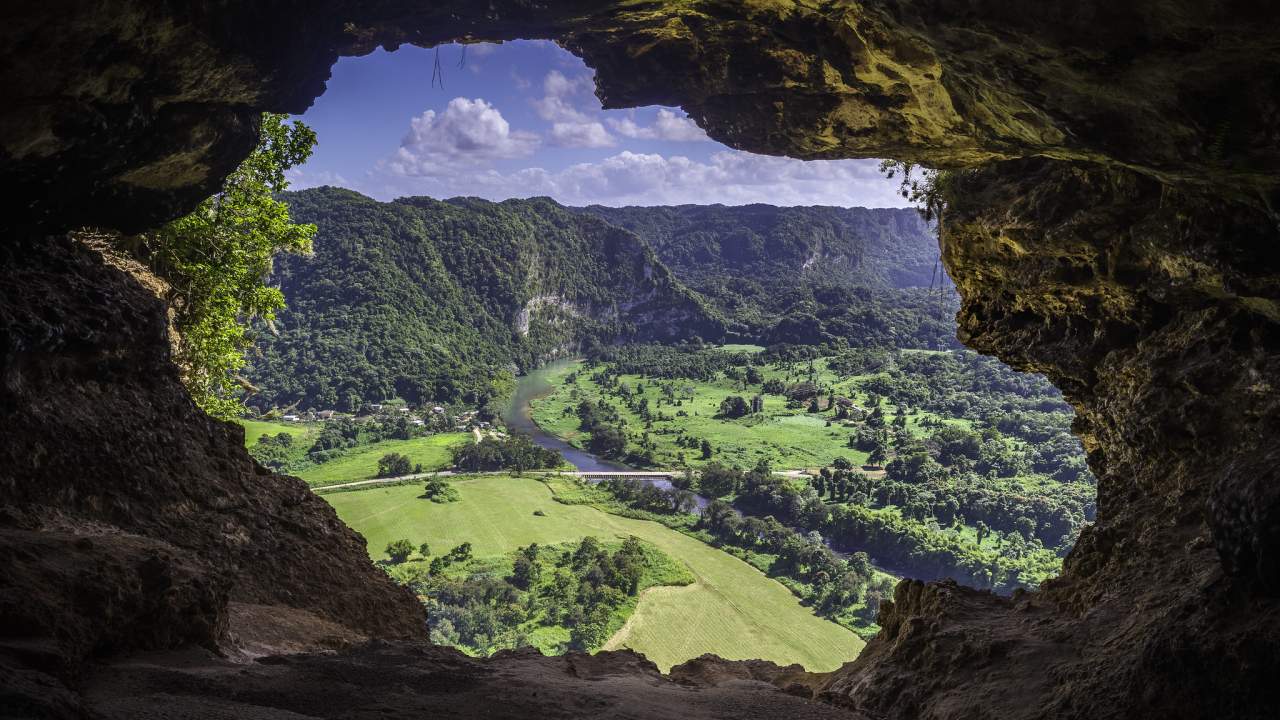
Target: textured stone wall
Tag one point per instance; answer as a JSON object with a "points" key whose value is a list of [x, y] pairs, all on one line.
{"points": [[1111, 224], [1156, 311], [125, 112], [129, 519]]}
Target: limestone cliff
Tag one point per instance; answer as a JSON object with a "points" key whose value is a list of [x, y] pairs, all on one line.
{"points": [[1121, 238]]}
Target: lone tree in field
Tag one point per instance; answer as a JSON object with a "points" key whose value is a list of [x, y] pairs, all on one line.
{"points": [[734, 407], [440, 491], [394, 464], [399, 550], [706, 450], [424, 550]]}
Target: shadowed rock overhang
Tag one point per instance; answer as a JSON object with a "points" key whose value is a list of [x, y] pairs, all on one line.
{"points": [[1110, 223]]}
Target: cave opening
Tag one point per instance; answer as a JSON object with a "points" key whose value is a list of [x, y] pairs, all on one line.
{"points": [[1113, 229], [935, 463]]}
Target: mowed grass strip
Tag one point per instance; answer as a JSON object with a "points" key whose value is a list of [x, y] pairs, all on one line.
{"points": [[434, 452], [254, 429], [732, 610]]}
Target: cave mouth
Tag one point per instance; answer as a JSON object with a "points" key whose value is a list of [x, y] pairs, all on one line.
{"points": [[1112, 227], [988, 471]]}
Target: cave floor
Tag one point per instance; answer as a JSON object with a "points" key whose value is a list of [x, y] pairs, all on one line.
{"points": [[416, 680]]}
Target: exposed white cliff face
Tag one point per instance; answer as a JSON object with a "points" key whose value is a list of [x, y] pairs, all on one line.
{"points": [[550, 305]]}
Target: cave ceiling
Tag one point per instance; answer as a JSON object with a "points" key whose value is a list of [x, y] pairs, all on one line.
{"points": [[1179, 89]]}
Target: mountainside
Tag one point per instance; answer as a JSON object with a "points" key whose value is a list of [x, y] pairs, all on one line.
{"points": [[427, 299], [879, 247], [805, 274]]}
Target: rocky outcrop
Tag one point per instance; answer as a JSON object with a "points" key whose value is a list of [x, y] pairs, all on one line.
{"points": [[128, 518], [409, 681], [129, 112], [1121, 239], [1155, 310]]}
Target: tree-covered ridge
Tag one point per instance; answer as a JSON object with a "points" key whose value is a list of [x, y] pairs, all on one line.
{"points": [[880, 247], [440, 301], [431, 300], [807, 275]]}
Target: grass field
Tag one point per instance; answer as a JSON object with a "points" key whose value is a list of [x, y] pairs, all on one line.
{"points": [[254, 429], [732, 610], [789, 438], [361, 463]]}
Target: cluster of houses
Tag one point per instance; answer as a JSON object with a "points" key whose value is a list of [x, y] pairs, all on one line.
{"points": [[437, 414]]}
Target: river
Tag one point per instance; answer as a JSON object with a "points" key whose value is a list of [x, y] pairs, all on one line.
{"points": [[519, 418]]}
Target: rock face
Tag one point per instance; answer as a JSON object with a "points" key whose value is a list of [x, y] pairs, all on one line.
{"points": [[1110, 223], [1155, 310], [128, 112], [131, 520], [409, 681]]}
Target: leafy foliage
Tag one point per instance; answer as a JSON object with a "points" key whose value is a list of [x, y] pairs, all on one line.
{"points": [[513, 452], [437, 301], [394, 465], [217, 259], [440, 491], [580, 592]]}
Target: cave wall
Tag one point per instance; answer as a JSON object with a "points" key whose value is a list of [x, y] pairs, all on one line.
{"points": [[1155, 309], [1110, 224], [124, 113], [130, 519]]}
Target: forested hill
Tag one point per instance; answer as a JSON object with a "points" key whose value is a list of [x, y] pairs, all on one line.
{"points": [[427, 299], [805, 275], [880, 247]]}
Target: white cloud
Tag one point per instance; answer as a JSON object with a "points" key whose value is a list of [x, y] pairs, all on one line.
{"points": [[466, 132], [667, 126], [301, 178], [581, 135], [561, 95], [627, 178]]}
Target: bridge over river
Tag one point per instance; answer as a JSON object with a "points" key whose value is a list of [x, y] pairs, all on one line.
{"points": [[607, 474]]}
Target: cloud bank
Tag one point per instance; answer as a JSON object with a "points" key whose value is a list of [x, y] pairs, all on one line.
{"points": [[628, 178]]}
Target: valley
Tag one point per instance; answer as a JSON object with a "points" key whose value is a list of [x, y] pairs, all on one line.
{"points": [[969, 473], [789, 366]]}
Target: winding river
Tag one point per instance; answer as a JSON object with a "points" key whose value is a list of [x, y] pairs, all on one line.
{"points": [[519, 418]]}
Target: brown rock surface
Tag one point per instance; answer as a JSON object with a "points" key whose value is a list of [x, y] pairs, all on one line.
{"points": [[1124, 244], [125, 112], [130, 518], [407, 680]]}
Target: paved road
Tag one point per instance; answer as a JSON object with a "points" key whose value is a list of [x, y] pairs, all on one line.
{"points": [[447, 473], [608, 473]]}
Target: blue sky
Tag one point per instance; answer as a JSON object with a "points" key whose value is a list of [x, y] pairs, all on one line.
{"points": [[521, 119]]}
